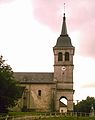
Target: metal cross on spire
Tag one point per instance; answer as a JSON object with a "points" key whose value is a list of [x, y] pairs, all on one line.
{"points": [[64, 8], [64, 28]]}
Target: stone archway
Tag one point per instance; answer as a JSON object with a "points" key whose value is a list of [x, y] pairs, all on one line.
{"points": [[63, 104]]}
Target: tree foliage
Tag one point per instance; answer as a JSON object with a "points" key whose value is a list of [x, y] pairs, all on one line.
{"points": [[10, 91], [85, 105]]}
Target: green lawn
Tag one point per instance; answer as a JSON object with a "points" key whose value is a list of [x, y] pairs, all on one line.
{"points": [[51, 118], [40, 116], [69, 118]]}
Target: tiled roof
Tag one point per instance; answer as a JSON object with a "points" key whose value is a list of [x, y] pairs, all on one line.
{"points": [[34, 77]]}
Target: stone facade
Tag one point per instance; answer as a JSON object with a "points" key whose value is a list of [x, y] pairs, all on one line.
{"points": [[40, 97], [43, 91]]}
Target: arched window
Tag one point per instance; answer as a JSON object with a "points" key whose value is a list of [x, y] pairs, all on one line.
{"points": [[39, 92], [60, 56], [66, 56]]}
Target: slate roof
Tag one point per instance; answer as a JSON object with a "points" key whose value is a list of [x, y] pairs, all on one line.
{"points": [[34, 77], [64, 41]]}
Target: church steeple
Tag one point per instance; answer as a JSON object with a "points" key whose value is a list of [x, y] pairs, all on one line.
{"points": [[63, 67], [64, 40], [64, 27]]}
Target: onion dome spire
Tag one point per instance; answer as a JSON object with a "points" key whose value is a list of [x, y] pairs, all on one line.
{"points": [[64, 40]]}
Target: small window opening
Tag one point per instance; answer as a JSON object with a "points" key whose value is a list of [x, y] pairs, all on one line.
{"points": [[60, 57], [39, 92], [66, 56]]}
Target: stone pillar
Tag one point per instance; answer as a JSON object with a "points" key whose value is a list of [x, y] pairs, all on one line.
{"points": [[70, 105]]}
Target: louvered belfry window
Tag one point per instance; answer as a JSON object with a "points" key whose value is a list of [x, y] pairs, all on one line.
{"points": [[66, 56], [60, 56]]}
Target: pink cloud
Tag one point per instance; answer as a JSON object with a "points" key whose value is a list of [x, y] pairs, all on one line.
{"points": [[46, 12], [80, 16]]}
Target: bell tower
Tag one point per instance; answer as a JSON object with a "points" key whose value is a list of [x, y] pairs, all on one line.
{"points": [[63, 68]]}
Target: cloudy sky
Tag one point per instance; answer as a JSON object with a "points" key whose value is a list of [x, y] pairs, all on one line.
{"points": [[29, 30]]}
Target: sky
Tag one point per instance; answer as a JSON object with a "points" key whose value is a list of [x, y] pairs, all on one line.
{"points": [[29, 30]]}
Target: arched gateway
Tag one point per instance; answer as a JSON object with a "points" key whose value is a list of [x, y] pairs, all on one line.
{"points": [[46, 89]]}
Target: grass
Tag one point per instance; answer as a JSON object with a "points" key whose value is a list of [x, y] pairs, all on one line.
{"points": [[49, 118], [69, 118], [22, 113]]}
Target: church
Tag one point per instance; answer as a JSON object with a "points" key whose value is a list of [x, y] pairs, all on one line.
{"points": [[44, 90]]}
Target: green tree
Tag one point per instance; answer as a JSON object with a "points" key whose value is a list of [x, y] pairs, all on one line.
{"points": [[10, 90], [85, 105]]}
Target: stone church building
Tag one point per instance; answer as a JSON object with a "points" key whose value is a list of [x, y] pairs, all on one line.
{"points": [[43, 90]]}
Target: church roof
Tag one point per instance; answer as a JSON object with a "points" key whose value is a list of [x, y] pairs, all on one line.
{"points": [[64, 40], [62, 104], [34, 77]]}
